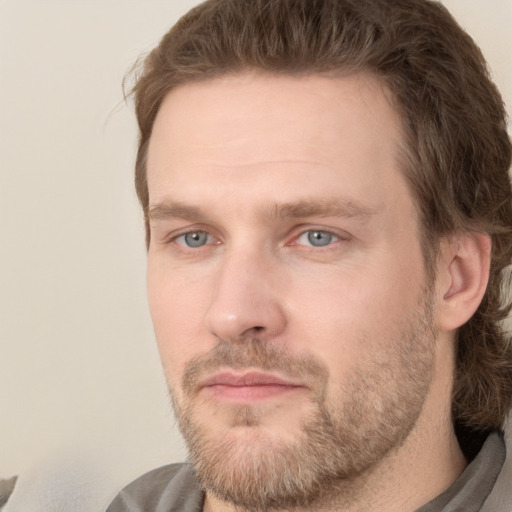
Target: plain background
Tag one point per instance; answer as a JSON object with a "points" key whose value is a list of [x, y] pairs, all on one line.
{"points": [[84, 407]]}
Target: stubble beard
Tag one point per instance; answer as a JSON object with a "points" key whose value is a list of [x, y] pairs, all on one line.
{"points": [[345, 434]]}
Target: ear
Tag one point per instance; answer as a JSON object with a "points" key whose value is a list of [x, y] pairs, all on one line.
{"points": [[463, 273]]}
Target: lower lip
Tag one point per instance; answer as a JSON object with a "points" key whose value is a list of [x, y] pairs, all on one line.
{"points": [[249, 393]]}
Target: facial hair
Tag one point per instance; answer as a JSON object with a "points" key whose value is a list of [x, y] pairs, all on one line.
{"points": [[348, 429]]}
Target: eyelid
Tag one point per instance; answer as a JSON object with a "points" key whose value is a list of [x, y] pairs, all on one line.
{"points": [[332, 237], [183, 243], [210, 240], [214, 239], [174, 235], [338, 235]]}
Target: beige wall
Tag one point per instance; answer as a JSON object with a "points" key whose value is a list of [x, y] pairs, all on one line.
{"points": [[83, 403]]}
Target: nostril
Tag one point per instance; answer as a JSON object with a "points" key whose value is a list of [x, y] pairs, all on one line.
{"points": [[253, 332]]}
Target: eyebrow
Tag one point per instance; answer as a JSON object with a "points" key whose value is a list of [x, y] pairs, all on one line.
{"points": [[174, 210], [332, 207]]}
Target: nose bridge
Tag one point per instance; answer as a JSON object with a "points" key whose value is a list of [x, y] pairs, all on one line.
{"points": [[245, 299]]}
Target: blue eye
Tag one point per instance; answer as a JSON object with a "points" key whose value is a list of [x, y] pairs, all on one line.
{"points": [[317, 238], [194, 239]]}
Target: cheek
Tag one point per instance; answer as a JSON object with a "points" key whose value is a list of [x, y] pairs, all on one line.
{"points": [[345, 316], [176, 311]]}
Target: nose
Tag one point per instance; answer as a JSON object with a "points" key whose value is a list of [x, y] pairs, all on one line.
{"points": [[246, 301]]}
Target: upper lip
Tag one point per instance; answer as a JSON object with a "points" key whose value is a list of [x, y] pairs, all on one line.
{"points": [[250, 378]]}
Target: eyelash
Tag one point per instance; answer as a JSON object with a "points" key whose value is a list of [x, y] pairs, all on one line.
{"points": [[334, 238], [310, 232], [194, 232]]}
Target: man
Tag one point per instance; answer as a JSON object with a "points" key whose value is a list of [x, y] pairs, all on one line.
{"points": [[329, 218]]}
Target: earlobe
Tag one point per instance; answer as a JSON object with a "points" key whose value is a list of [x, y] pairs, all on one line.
{"points": [[465, 263]]}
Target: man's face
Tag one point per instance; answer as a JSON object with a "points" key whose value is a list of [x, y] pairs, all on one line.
{"points": [[286, 282]]}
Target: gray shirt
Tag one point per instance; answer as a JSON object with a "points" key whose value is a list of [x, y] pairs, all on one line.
{"points": [[174, 488]]}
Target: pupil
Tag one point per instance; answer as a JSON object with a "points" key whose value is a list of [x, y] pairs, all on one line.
{"points": [[319, 238]]}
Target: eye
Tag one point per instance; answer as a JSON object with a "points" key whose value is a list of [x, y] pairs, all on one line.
{"points": [[317, 238], [194, 239]]}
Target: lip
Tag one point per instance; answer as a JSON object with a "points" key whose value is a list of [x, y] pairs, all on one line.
{"points": [[247, 387]]}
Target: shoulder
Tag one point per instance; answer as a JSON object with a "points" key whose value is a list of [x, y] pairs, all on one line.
{"points": [[166, 489]]}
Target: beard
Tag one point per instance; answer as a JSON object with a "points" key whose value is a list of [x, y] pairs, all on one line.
{"points": [[346, 430]]}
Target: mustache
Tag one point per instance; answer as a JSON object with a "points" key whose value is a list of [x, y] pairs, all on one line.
{"points": [[253, 353]]}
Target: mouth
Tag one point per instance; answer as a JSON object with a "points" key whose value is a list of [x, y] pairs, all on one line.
{"points": [[248, 387]]}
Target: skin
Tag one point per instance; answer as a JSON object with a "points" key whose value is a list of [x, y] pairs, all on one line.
{"points": [[242, 171]]}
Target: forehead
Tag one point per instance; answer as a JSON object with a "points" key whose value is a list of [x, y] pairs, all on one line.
{"points": [[308, 129]]}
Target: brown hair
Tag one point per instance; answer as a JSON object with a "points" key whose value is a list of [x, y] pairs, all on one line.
{"points": [[457, 152]]}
